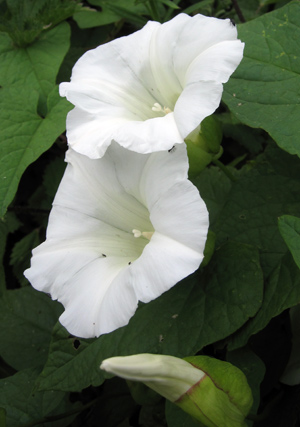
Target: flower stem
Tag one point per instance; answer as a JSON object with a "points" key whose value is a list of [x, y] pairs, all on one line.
{"points": [[224, 169], [238, 11]]}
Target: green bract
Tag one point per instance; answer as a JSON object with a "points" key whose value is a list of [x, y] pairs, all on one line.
{"points": [[222, 398]]}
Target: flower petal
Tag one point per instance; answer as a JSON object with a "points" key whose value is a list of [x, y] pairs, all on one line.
{"points": [[163, 263]]}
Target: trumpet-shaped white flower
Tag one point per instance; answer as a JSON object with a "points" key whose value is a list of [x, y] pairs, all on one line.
{"points": [[123, 228], [151, 89]]}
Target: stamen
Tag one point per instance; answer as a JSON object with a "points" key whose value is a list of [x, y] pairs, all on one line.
{"points": [[146, 234], [159, 109], [137, 233], [156, 107]]}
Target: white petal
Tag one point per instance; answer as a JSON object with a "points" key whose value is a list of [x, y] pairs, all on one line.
{"points": [[197, 101], [155, 173], [99, 193], [217, 63], [163, 263], [190, 223], [84, 297]]}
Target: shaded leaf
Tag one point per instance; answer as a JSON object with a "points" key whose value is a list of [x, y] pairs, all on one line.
{"points": [[21, 254], [7, 225], [289, 227], [250, 213], [282, 291], [24, 405], [27, 318]]}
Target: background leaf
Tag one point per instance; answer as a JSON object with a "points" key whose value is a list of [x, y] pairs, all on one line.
{"points": [[31, 112], [27, 318], [25, 135], [263, 92], [282, 291], [25, 405]]}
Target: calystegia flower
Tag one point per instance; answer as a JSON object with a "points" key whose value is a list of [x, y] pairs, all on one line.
{"points": [[123, 228], [151, 89]]}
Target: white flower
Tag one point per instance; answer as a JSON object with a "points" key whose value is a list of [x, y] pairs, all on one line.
{"points": [[151, 89], [123, 228], [167, 375]]}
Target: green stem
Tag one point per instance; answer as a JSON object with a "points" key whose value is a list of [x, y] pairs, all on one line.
{"points": [[267, 411], [238, 11], [224, 169]]}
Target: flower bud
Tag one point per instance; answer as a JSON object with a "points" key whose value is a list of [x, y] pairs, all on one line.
{"points": [[214, 392]]}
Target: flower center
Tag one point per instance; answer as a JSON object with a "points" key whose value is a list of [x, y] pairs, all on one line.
{"points": [[159, 109], [146, 234]]}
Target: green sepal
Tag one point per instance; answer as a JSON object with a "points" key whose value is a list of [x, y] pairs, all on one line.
{"points": [[209, 248], [223, 397], [203, 145]]}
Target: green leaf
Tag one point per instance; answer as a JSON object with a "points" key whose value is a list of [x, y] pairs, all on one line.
{"points": [[282, 291], [170, 4], [35, 66], [126, 9], [263, 92], [289, 227], [214, 188], [27, 318], [25, 135], [91, 18], [252, 207], [7, 225], [21, 254], [24, 405], [204, 308], [31, 113]]}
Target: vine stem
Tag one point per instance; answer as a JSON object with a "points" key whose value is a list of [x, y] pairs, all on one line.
{"points": [[224, 169], [238, 10]]}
